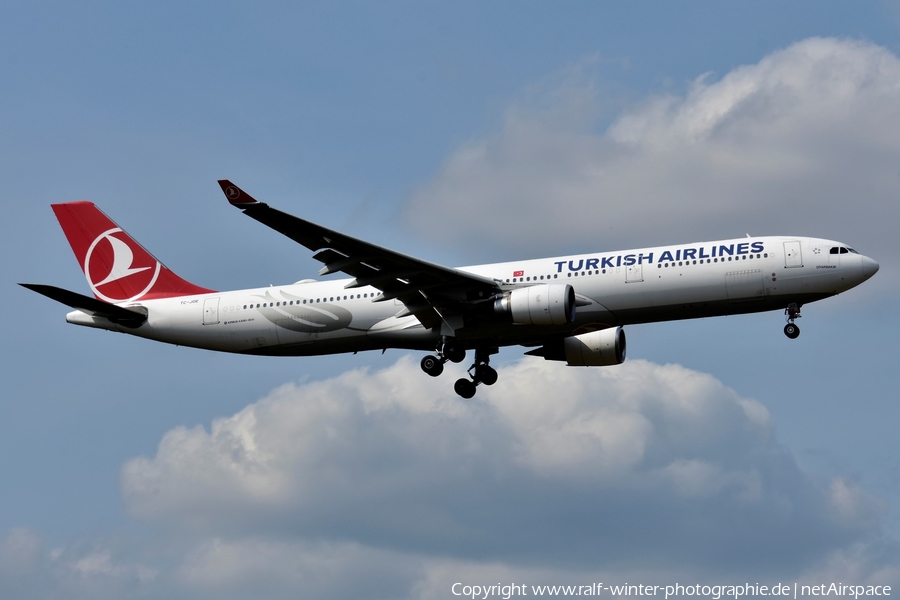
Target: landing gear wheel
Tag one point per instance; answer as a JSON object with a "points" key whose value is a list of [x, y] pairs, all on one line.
{"points": [[465, 388], [454, 353], [792, 331], [432, 365], [485, 374], [792, 312]]}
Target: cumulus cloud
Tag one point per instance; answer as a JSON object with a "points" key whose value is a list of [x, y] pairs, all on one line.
{"points": [[637, 464], [28, 569], [805, 142], [385, 484], [281, 569]]}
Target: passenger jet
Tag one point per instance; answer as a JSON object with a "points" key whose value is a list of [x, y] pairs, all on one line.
{"points": [[568, 308]]}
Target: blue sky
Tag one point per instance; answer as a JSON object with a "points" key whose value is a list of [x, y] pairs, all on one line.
{"points": [[460, 133]]}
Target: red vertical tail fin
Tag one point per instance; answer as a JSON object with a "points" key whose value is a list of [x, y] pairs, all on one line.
{"points": [[117, 268]]}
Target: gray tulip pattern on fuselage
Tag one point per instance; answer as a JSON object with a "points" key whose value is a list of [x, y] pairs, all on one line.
{"points": [[313, 317]]}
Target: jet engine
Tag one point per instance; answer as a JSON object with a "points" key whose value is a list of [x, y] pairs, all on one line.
{"points": [[594, 349], [544, 304]]}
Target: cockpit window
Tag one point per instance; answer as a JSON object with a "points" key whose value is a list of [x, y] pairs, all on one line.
{"points": [[834, 250], [852, 251], [843, 250]]}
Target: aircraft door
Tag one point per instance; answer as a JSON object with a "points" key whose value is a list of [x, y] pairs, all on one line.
{"points": [[792, 255], [210, 311], [634, 273]]}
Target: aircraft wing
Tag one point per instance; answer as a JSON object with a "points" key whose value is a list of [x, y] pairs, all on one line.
{"points": [[430, 292]]}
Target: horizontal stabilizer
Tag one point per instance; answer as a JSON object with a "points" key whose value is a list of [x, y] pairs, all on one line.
{"points": [[129, 317]]}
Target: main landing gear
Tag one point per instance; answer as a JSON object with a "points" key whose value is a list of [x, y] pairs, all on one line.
{"points": [[448, 350], [792, 330], [479, 372]]}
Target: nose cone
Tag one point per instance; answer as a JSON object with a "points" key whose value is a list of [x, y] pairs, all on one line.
{"points": [[869, 267]]}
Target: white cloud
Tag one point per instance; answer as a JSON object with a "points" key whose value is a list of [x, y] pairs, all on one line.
{"points": [[96, 570], [851, 502], [281, 569], [20, 552], [386, 484], [863, 564], [635, 463], [100, 563], [805, 142]]}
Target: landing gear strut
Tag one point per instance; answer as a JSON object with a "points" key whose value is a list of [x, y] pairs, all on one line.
{"points": [[448, 350], [480, 372], [792, 312]]}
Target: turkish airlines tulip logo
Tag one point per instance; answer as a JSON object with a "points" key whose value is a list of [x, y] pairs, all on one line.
{"points": [[112, 259], [232, 193]]}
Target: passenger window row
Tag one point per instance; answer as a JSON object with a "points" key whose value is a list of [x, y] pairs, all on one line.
{"points": [[687, 263], [310, 301], [535, 278]]}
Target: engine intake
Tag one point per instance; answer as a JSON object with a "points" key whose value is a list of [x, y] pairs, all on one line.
{"points": [[595, 349], [543, 304]]}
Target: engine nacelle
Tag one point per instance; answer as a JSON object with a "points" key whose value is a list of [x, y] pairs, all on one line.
{"points": [[595, 349], [544, 304]]}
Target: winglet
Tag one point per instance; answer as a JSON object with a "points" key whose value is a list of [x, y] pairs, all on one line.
{"points": [[236, 196]]}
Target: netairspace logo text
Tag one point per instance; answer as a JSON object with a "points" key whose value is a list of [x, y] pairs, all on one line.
{"points": [[678, 590]]}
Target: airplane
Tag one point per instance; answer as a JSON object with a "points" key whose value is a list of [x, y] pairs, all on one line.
{"points": [[569, 308]]}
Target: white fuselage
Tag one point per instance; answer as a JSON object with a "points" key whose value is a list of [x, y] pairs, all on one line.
{"points": [[612, 288]]}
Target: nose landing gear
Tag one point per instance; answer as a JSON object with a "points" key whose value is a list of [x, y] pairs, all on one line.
{"points": [[792, 330]]}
